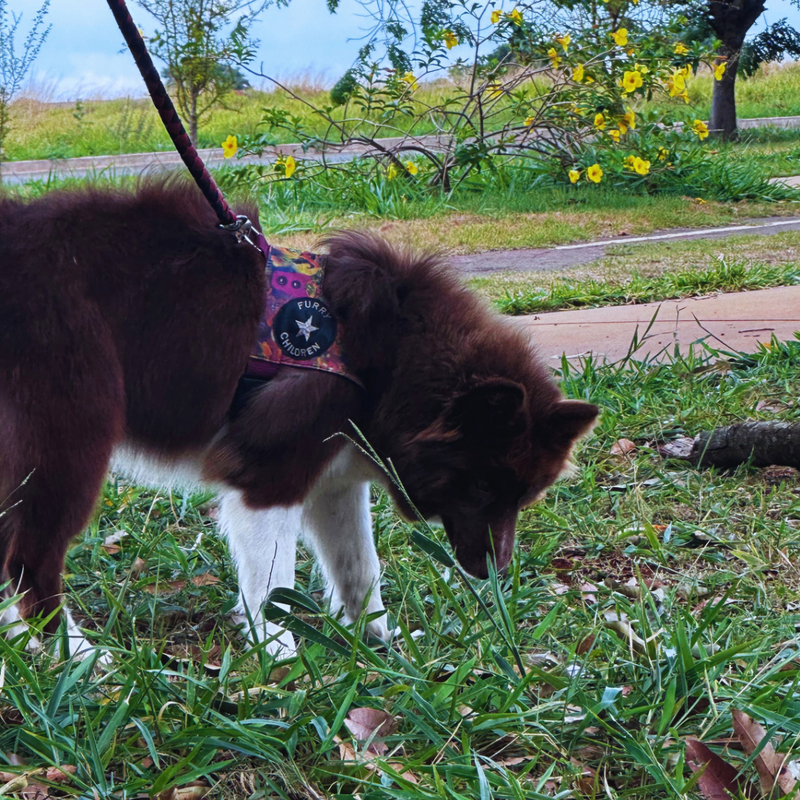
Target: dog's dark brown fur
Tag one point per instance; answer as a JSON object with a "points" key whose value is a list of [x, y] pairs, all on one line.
{"points": [[130, 317]]}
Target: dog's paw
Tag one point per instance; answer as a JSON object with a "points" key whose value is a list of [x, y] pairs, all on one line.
{"points": [[14, 626], [280, 643], [379, 629], [79, 646]]}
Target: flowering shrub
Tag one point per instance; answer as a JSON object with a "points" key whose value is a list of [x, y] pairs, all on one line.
{"points": [[571, 101]]}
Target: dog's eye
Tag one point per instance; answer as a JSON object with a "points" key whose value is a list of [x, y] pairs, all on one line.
{"points": [[296, 284], [282, 280]]}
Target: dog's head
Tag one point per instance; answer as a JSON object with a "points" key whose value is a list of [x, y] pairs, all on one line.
{"points": [[456, 397], [490, 453]]}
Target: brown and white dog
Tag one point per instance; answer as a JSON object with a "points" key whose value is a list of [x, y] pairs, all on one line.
{"points": [[126, 321]]}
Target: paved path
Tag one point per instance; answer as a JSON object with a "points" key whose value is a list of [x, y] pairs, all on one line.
{"points": [[735, 321], [570, 255], [138, 163]]}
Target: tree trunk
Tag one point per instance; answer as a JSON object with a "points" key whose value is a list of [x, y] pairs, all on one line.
{"points": [[723, 100], [766, 443], [730, 20]]}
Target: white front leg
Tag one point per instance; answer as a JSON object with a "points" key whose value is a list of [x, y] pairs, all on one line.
{"points": [[263, 545], [338, 525]]}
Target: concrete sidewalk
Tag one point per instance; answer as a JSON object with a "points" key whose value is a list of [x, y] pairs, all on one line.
{"points": [[734, 322]]}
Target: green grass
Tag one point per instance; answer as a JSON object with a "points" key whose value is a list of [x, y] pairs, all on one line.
{"points": [[42, 130], [499, 212], [724, 276], [771, 92], [702, 564]]}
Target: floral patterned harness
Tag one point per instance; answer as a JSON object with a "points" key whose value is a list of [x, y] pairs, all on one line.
{"points": [[298, 328]]}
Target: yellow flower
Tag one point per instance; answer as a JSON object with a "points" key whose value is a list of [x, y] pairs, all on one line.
{"points": [[600, 121], [701, 129], [641, 166], [450, 39], [681, 49], [686, 71], [632, 80], [289, 166], [391, 173], [529, 121], [620, 37], [495, 90], [662, 153], [230, 146], [630, 161], [685, 96], [630, 119], [410, 80], [623, 128], [515, 17], [555, 59], [577, 73], [564, 41], [574, 175], [594, 173], [719, 71], [677, 84], [496, 14], [702, 203], [411, 168], [614, 135]]}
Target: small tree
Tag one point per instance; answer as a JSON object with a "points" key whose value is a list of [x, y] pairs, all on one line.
{"points": [[14, 65], [198, 40]]}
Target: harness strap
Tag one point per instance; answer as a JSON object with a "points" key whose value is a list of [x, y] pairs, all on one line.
{"points": [[169, 116]]}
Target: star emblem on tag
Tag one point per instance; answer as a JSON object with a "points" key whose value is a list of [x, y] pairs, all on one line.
{"points": [[306, 328]]}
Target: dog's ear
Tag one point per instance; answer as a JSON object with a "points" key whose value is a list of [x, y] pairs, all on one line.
{"points": [[494, 409], [569, 420]]}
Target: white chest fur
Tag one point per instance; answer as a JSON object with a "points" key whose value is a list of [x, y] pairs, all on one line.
{"points": [[156, 472]]}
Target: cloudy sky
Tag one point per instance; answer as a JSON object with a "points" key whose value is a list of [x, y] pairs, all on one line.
{"points": [[83, 57]]}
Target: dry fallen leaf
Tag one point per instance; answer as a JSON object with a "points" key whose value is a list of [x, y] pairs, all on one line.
{"points": [[14, 784], [770, 406], [588, 592], [36, 791], [619, 623], [206, 579], [623, 447], [194, 790], [138, 566], [164, 587], [719, 780], [110, 543], [366, 723], [771, 767], [61, 774]]}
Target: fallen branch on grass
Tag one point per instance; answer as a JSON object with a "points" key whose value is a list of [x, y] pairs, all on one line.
{"points": [[763, 443]]}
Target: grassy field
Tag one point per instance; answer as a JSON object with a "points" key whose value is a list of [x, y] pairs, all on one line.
{"points": [[647, 601], [43, 129]]}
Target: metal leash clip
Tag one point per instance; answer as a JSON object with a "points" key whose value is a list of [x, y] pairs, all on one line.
{"points": [[240, 229]]}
